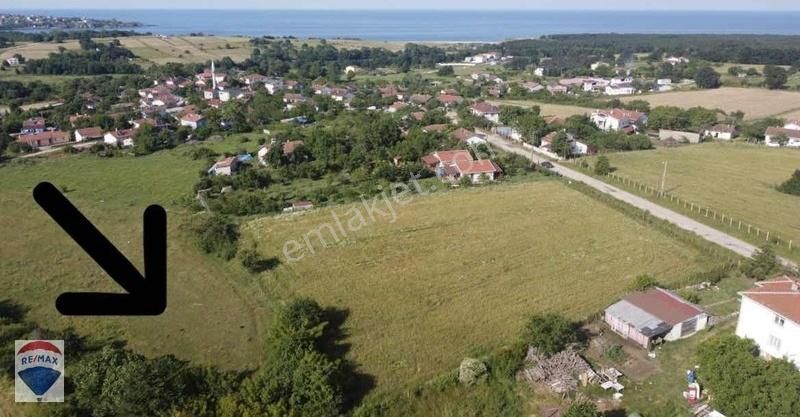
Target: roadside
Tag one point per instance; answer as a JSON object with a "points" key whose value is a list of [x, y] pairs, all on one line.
{"points": [[82, 145], [713, 235]]}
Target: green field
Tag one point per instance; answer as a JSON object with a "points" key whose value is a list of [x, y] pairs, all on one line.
{"points": [[210, 307], [561, 110], [735, 179], [458, 272]]}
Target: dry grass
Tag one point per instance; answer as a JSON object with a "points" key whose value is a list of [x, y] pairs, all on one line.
{"points": [[154, 49], [756, 103], [211, 316], [735, 179], [560, 110], [458, 272]]}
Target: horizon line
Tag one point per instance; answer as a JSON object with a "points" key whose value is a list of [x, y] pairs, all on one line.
{"points": [[466, 9]]}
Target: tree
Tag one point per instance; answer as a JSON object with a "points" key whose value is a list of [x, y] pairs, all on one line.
{"points": [[742, 384], [763, 264], [775, 77], [792, 185], [217, 235], [550, 333], [561, 145], [445, 71], [582, 409], [602, 166], [706, 77]]}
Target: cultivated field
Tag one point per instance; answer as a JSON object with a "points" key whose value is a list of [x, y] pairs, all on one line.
{"points": [[736, 179], [211, 316], [756, 103], [560, 110], [154, 49], [458, 272]]}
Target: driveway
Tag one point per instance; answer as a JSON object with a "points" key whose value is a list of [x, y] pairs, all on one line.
{"points": [[712, 235]]}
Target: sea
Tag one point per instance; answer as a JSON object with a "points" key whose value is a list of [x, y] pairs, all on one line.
{"points": [[441, 25]]}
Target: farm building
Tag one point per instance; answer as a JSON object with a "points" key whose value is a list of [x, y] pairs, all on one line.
{"points": [[227, 166], [722, 131], [648, 317], [680, 136]]}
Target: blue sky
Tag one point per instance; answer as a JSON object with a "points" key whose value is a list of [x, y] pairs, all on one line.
{"points": [[776, 5]]}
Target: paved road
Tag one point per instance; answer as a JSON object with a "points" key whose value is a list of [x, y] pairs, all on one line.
{"points": [[712, 235]]}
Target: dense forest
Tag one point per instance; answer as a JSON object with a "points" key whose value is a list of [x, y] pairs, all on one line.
{"points": [[744, 49]]}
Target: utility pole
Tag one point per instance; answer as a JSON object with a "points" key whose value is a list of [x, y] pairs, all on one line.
{"points": [[664, 176]]}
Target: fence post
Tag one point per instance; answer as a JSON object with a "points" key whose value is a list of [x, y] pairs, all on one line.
{"points": [[790, 245], [767, 236], [748, 229]]}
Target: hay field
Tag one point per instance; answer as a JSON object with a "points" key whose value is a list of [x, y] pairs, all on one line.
{"points": [[756, 103], [736, 179], [458, 272], [561, 110], [154, 49]]}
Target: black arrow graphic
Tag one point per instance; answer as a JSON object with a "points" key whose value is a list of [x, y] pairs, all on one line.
{"points": [[147, 296]]}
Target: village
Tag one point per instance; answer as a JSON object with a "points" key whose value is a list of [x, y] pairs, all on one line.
{"points": [[274, 148]]}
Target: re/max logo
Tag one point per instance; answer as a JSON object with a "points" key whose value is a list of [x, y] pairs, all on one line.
{"points": [[31, 359]]}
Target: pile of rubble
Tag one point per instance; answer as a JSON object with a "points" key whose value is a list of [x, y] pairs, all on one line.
{"points": [[561, 372]]}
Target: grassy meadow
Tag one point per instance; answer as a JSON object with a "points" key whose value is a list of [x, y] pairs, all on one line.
{"points": [[457, 273], [211, 316], [561, 110], [737, 179], [756, 103], [152, 49]]}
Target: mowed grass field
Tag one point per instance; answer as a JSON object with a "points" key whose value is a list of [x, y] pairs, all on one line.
{"points": [[153, 49], [211, 316], [561, 110], [458, 272], [756, 103], [737, 179]]}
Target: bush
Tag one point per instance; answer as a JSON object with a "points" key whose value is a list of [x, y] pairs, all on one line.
{"points": [[643, 282], [218, 235], [471, 371], [763, 264], [549, 333], [616, 354], [602, 166], [255, 263], [792, 185], [581, 409]]}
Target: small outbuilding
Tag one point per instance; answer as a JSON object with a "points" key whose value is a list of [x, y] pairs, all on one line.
{"points": [[648, 317]]}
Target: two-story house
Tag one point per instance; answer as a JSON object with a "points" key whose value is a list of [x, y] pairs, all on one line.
{"points": [[770, 315]]}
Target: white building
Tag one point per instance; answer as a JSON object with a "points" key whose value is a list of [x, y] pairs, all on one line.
{"points": [[774, 135], [618, 119], [770, 315], [122, 138], [487, 111], [721, 131], [193, 120]]}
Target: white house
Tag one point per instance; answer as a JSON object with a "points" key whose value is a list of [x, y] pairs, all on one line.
{"points": [[579, 148], [770, 316], [618, 119], [539, 72], [193, 120], [122, 138], [13, 61], [774, 135], [89, 133], [227, 166], [620, 89], [792, 124], [721, 131], [487, 111]]}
